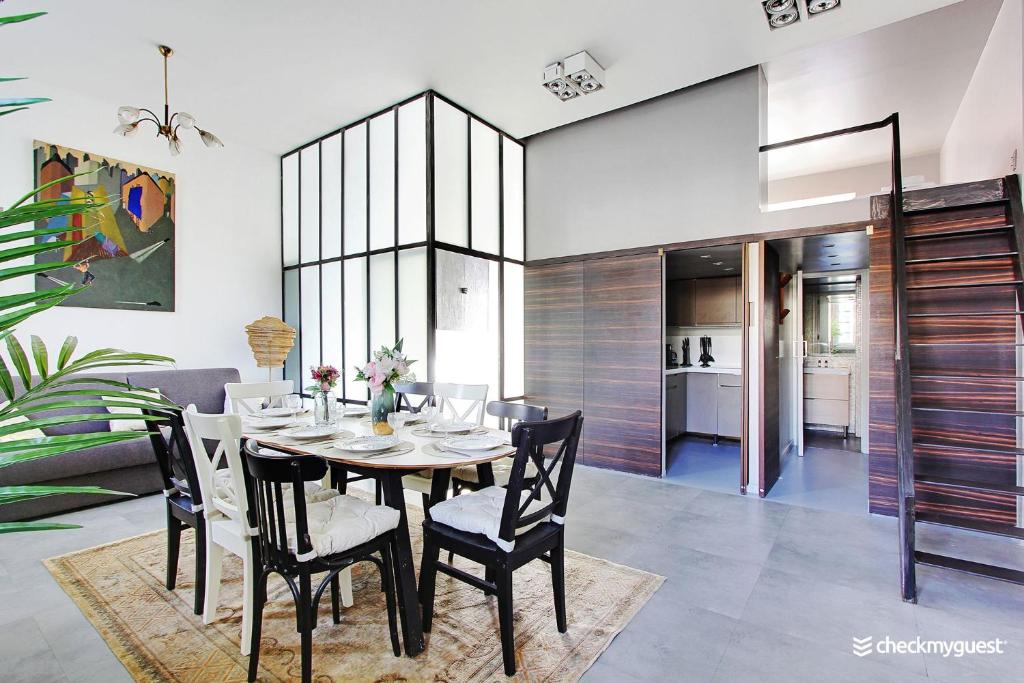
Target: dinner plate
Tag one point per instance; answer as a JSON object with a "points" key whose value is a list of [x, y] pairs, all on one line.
{"points": [[451, 427], [474, 443], [281, 412], [367, 444], [355, 411], [254, 422], [311, 432]]}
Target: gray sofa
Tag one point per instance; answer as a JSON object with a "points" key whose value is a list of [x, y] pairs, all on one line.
{"points": [[129, 466]]}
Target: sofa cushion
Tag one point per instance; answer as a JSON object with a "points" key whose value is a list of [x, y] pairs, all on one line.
{"points": [[203, 387], [99, 459], [77, 427]]}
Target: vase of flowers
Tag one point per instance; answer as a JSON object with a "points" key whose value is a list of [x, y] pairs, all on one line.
{"points": [[388, 367], [324, 402]]}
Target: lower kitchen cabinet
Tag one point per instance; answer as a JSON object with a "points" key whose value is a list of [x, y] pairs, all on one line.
{"points": [[702, 403], [675, 405], [729, 410]]}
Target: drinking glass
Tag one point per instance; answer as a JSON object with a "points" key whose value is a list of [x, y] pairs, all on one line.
{"points": [[396, 420], [293, 402]]}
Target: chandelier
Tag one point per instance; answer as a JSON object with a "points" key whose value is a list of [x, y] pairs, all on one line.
{"points": [[131, 117]]}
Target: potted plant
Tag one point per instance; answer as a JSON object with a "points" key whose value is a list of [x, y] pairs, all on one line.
{"points": [[388, 367]]}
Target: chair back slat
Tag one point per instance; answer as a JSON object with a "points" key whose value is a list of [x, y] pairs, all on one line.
{"points": [[422, 390], [226, 432], [510, 413], [530, 439], [247, 398], [173, 455], [475, 395]]}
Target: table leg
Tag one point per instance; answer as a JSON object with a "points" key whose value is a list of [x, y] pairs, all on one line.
{"points": [[405, 573], [439, 480], [485, 475]]}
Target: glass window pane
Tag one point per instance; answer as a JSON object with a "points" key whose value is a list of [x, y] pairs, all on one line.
{"points": [[451, 188], [310, 306], [467, 341], [309, 197], [412, 172], [355, 326], [355, 189], [293, 363], [330, 196], [514, 331], [330, 314], [290, 209], [382, 181], [382, 300], [412, 307], [485, 188], [512, 179]]}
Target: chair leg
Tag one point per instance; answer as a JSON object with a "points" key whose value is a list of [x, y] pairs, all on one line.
{"points": [[258, 599], [248, 576], [379, 492], [426, 505], [173, 548], [335, 602], [503, 576], [200, 597], [387, 574], [345, 578], [428, 580], [558, 582], [306, 618], [214, 564]]}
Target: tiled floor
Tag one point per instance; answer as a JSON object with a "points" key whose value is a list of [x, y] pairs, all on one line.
{"points": [[697, 461], [755, 590]]}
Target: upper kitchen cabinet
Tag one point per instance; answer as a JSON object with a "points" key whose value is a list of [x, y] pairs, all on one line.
{"points": [[717, 301], [679, 303]]}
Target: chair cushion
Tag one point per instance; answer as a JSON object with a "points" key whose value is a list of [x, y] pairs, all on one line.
{"points": [[479, 513], [341, 523], [502, 470], [314, 492]]}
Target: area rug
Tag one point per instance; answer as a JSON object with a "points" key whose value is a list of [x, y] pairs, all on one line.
{"points": [[119, 587]]}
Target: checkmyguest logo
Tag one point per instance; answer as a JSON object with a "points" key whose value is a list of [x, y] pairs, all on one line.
{"points": [[862, 647]]}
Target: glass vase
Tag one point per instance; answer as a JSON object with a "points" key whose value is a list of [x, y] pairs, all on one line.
{"points": [[324, 407], [382, 405]]}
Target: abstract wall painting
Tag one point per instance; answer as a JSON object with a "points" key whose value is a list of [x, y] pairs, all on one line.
{"points": [[125, 251]]}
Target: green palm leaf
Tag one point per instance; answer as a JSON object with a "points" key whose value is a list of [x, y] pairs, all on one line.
{"points": [[20, 17], [11, 527], [14, 494], [11, 111], [22, 101]]}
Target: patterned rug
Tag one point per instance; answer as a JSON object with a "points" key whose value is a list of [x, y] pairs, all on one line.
{"points": [[119, 587]]}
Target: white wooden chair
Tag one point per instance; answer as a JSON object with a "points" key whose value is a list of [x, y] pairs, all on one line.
{"points": [[461, 402], [246, 398], [227, 511]]}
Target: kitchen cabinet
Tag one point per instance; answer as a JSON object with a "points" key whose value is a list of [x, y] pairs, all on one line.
{"points": [[675, 405], [717, 301], [827, 399], [729, 406], [702, 403], [679, 304]]}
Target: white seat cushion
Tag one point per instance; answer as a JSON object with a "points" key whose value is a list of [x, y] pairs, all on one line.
{"points": [[340, 523], [502, 470], [480, 513], [314, 492]]}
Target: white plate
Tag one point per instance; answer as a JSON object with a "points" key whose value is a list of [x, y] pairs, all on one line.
{"points": [[451, 427], [355, 411], [268, 422], [311, 432], [474, 443], [281, 412], [367, 444]]}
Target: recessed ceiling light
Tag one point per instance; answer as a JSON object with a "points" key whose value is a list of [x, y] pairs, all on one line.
{"points": [[705, 255], [785, 19], [717, 263], [729, 268], [818, 6], [781, 12], [778, 6], [829, 246]]}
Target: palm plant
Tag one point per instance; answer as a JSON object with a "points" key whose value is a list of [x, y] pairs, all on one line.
{"points": [[56, 385]]}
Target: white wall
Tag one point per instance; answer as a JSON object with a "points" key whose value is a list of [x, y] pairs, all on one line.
{"points": [[988, 126], [227, 269], [865, 181], [677, 168]]}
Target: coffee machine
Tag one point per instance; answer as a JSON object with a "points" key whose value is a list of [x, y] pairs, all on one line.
{"points": [[671, 359]]}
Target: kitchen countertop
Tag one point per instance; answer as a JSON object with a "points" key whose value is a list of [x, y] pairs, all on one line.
{"points": [[714, 370]]}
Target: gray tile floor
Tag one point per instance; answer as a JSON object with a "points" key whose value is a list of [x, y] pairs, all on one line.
{"points": [[755, 590]]}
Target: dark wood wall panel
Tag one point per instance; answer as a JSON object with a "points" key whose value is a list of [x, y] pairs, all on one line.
{"points": [[881, 350], [771, 458], [593, 343], [623, 363]]}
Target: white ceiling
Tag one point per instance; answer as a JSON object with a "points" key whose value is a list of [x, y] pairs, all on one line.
{"points": [[275, 74], [919, 67]]}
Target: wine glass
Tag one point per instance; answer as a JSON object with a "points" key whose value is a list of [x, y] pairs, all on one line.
{"points": [[429, 413], [396, 421], [293, 402]]}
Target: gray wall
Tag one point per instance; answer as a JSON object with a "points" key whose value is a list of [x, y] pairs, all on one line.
{"points": [[681, 167]]}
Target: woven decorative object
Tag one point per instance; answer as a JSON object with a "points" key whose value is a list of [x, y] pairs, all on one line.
{"points": [[270, 340]]}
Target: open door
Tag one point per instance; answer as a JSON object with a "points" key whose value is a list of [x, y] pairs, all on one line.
{"points": [[799, 354], [769, 420]]}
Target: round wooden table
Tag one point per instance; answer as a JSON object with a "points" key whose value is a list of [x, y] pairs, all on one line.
{"points": [[389, 470]]}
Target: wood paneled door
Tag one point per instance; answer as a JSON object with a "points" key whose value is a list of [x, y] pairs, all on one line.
{"points": [[770, 458], [594, 343]]}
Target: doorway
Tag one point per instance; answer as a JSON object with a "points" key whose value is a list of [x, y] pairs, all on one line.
{"points": [[704, 405], [815, 367]]}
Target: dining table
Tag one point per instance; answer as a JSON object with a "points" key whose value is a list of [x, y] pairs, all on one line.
{"points": [[418, 450]]}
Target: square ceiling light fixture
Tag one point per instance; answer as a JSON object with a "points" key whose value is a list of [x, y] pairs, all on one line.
{"points": [[781, 13], [576, 75], [818, 7]]}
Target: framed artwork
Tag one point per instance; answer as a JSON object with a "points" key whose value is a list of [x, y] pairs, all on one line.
{"points": [[124, 251]]}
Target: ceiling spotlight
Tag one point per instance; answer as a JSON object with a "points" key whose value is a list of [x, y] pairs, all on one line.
{"points": [[781, 12], [580, 74], [717, 263], [705, 255], [815, 7]]}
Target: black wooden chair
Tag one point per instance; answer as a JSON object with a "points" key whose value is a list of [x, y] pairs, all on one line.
{"points": [[423, 390], [527, 528], [181, 495], [296, 550], [465, 478]]}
